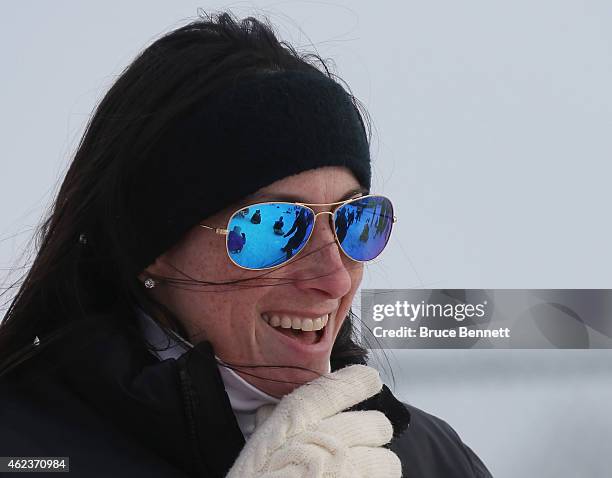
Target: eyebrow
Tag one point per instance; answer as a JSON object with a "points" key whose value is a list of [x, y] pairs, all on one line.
{"points": [[293, 198]]}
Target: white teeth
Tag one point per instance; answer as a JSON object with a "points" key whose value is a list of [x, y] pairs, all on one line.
{"points": [[296, 323]]}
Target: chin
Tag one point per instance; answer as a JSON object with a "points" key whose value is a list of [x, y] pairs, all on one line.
{"points": [[282, 381]]}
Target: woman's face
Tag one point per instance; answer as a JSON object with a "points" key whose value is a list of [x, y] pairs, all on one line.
{"points": [[320, 280]]}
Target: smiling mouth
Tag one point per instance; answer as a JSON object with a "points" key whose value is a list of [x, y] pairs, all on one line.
{"points": [[306, 331]]}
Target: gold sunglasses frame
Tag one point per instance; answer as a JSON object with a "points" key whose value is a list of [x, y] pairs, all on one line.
{"points": [[332, 213]]}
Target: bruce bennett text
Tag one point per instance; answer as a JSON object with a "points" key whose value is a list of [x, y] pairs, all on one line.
{"points": [[431, 333]]}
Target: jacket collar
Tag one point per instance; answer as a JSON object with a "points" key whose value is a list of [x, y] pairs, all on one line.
{"points": [[244, 398], [178, 408]]}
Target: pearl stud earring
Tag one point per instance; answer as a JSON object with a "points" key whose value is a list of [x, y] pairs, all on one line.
{"points": [[149, 283]]}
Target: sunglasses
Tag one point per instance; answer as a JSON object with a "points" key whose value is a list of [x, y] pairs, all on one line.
{"points": [[266, 235]]}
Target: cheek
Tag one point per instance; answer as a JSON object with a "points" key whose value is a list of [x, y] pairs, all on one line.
{"points": [[356, 272], [209, 308], [229, 324], [203, 259], [205, 262], [226, 319]]}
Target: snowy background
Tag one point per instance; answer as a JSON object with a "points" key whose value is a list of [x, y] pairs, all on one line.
{"points": [[492, 135]]}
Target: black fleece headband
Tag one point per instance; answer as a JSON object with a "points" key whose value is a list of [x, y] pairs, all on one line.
{"points": [[263, 128]]}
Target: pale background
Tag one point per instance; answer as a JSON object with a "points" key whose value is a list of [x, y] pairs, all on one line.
{"points": [[492, 135]]}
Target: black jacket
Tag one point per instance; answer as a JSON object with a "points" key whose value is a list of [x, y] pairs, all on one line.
{"points": [[99, 397]]}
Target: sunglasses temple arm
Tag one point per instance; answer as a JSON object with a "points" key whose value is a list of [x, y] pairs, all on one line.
{"points": [[218, 230]]}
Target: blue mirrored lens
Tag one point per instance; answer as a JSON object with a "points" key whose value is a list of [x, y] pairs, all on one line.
{"points": [[266, 235], [364, 226]]}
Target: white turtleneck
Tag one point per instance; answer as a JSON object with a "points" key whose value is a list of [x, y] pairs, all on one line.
{"points": [[244, 398]]}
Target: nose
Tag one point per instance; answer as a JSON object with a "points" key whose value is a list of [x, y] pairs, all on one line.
{"points": [[324, 265]]}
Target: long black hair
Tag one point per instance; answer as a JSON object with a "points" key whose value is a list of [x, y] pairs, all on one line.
{"points": [[74, 274]]}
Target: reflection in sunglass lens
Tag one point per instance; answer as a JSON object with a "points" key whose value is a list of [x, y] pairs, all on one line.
{"points": [[363, 227], [266, 235]]}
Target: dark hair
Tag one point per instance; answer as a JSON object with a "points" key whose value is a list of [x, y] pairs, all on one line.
{"points": [[73, 275]]}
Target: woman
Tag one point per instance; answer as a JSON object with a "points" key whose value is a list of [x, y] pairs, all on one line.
{"points": [[256, 218], [365, 233], [138, 345], [278, 226], [298, 232], [236, 239]]}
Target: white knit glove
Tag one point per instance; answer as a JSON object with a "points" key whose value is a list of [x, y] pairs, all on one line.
{"points": [[308, 435]]}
